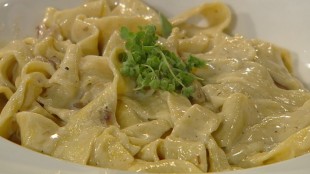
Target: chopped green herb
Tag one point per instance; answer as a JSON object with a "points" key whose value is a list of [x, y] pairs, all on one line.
{"points": [[165, 25], [152, 66]]}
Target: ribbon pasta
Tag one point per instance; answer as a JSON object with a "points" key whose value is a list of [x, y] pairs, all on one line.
{"points": [[62, 94]]}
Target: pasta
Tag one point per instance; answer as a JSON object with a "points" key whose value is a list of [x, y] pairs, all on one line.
{"points": [[63, 94]]}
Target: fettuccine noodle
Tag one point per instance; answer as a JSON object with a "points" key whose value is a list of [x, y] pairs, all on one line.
{"points": [[62, 94]]}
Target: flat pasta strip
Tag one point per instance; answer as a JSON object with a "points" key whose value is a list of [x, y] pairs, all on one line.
{"points": [[35, 129], [165, 166], [65, 92]]}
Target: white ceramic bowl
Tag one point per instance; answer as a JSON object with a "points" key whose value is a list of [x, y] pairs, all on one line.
{"points": [[283, 22]]}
